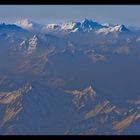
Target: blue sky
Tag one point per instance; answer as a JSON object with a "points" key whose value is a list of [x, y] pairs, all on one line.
{"points": [[117, 14]]}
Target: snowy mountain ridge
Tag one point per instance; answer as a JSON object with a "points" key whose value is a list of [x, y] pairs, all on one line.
{"points": [[86, 25]]}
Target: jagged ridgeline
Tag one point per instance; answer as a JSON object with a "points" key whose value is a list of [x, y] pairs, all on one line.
{"points": [[79, 77]]}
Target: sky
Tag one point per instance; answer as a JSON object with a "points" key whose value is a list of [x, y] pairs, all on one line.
{"points": [[117, 14]]}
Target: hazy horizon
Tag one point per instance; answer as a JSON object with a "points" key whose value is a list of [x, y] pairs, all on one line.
{"points": [[44, 14]]}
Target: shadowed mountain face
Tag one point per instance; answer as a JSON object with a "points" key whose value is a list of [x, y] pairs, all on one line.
{"points": [[75, 78]]}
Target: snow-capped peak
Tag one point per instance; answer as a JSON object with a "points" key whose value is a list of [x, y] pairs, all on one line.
{"points": [[85, 25], [112, 29], [51, 27], [29, 25], [25, 23], [70, 26], [90, 23], [86, 21], [119, 28]]}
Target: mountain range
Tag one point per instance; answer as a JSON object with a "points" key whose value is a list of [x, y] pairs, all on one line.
{"points": [[85, 25], [74, 78]]}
